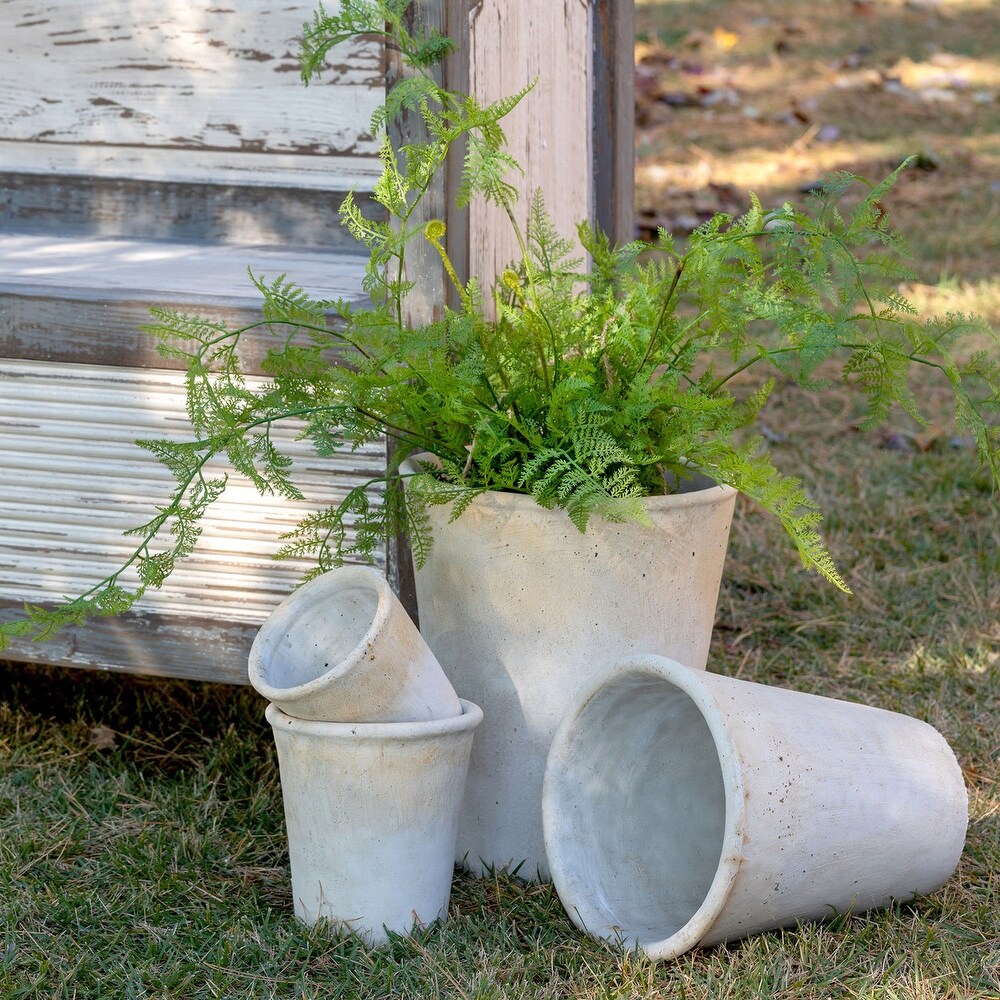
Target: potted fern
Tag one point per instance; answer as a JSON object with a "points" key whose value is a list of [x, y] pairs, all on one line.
{"points": [[603, 394]]}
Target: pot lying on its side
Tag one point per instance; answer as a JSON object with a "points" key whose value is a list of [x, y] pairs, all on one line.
{"points": [[684, 808], [372, 815]]}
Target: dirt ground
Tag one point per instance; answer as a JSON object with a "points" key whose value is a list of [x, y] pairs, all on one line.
{"points": [[769, 96]]}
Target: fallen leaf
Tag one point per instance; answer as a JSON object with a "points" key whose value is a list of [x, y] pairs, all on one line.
{"points": [[102, 738], [725, 39]]}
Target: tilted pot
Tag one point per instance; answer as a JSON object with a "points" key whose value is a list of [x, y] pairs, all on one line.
{"points": [[342, 648], [524, 612], [684, 808]]}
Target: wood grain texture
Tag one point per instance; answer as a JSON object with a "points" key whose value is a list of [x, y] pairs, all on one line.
{"points": [[511, 43], [161, 88], [426, 301], [74, 480], [200, 648], [34, 328], [101, 207], [86, 300], [613, 117], [167, 270]]}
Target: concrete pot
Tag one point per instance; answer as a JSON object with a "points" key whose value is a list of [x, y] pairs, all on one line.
{"points": [[685, 808], [342, 648], [524, 612], [372, 814]]}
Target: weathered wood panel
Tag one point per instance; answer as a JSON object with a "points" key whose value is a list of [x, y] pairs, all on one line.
{"points": [[96, 207], [84, 300], [328, 173], [73, 480], [613, 117], [511, 43], [204, 649], [34, 328], [103, 269], [154, 89]]}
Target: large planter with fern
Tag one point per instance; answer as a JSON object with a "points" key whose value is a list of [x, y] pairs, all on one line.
{"points": [[524, 611]]}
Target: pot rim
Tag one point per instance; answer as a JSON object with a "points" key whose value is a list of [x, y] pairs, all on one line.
{"points": [[703, 491], [284, 615], [470, 718], [573, 890]]}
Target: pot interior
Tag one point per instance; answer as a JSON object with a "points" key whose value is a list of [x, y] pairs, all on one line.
{"points": [[320, 636], [640, 785]]}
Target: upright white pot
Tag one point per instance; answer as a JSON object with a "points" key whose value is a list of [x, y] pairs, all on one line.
{"points": [[372, 815], [342, 648], [524, 612], [685, 808]]}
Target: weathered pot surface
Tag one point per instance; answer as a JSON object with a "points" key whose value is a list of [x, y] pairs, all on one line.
{"points": [[685, 808], [342, 648], [371, 812], [523, 611]]}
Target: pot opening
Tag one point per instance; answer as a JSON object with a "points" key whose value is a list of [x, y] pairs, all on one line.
{"points": [[323, 634], [642, 790]]}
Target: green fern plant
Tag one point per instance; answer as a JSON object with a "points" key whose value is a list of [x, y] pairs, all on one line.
{"points": [[587, 387]]}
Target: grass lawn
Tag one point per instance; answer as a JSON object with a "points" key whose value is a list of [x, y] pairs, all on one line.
{"points": [[143, 850], [142, 845]]}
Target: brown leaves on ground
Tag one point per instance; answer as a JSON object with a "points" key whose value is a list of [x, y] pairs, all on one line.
{"points": [[770, 96]]}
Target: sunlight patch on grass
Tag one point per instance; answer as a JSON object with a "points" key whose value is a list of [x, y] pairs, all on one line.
{"points": [[759, 169], [975, 661]]}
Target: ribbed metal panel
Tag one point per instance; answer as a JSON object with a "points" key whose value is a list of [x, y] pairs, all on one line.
{"points": [[72, 480]]}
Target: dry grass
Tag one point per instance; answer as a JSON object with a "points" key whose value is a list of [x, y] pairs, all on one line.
{"points": [[770, 96]]}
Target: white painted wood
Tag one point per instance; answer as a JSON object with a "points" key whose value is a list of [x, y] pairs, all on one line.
{"points": [[73, 481], [513, 42], [136, 77], [335, 172], [168, 271]]}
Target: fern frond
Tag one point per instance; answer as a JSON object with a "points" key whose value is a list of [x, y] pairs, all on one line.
{"points": [[752, 473], [483, 172]]}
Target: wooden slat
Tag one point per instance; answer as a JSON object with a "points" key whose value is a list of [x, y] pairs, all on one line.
{"points": [[130, 269], [140, 88], [73, 480], [36, 328], [314, 171], [86, 207], [197, 648], [101, 290]]}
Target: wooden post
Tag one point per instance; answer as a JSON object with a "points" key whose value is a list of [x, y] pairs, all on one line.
{"points": [[613, 117], [573, 133], [423, 266], [572, 136]]}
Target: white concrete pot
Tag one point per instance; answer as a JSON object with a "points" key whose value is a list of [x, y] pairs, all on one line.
{"points": [[686, 809], [524, 612], [372, 814], [342, 648]]}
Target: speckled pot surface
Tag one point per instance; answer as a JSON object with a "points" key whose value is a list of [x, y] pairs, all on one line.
{"points": [[371, 812], [342, 648], [683, 808], [524, 612]]}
